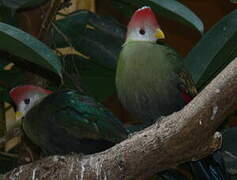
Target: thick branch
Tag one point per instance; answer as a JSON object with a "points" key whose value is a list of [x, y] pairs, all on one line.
{"points": [[183, 136]]}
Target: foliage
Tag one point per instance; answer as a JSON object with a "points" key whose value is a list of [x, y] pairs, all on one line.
{"points": [[91, 35], [97, 41], [97, 80], [169, 8], [21, 44], [21, 4], [233, 1], [214, 51]]}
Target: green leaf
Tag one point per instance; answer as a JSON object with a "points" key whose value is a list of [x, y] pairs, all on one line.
{"points": [[21, 44], [233, 1], [214, 51], [171, 9], [99, 38], [97, 80], [17, 4]]}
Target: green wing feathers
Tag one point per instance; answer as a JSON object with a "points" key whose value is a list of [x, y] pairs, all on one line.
{"points": [[92, 119], [67, 122]]}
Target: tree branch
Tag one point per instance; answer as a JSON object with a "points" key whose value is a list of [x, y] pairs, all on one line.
{"points": [[183, 136]]}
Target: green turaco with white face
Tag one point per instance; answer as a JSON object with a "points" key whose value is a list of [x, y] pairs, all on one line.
{"points": [[65, 121], [151, 80]]}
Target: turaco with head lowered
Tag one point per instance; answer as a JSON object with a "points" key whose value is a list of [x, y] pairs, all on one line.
{"points": [[151, 80], [65, 121]]}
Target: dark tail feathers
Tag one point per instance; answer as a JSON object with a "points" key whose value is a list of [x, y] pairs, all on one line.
{"points": [[210, 168]]}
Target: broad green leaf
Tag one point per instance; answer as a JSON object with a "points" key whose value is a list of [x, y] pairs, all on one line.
{"points": [[17, 4], [21, 44], [214, 51], [171, 9], [97, 80], [233, 1], [99, 38]]}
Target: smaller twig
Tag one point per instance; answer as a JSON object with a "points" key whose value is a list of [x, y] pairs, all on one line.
{"points": [[49, 17], [2, 141], [30, 153], [61, 14], [12, 143], [9, 154], [15, 132], [73, 79], [62, 34]]}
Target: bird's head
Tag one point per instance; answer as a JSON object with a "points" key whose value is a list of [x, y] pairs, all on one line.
{"points": [[25, 97], [143, 26]]}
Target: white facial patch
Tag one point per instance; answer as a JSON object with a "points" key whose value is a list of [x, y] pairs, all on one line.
{"points": [[24, 107], [139, 34]]}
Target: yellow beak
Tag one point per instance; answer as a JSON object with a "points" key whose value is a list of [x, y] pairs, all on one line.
{"points": [[159, 34], [19, 115]]}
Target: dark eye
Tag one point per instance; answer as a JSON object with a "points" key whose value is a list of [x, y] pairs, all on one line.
{"points": [[27, 101], [142, 31]]}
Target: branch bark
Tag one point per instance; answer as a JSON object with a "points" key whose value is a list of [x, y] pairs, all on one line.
{"points": [[183, 136]]}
